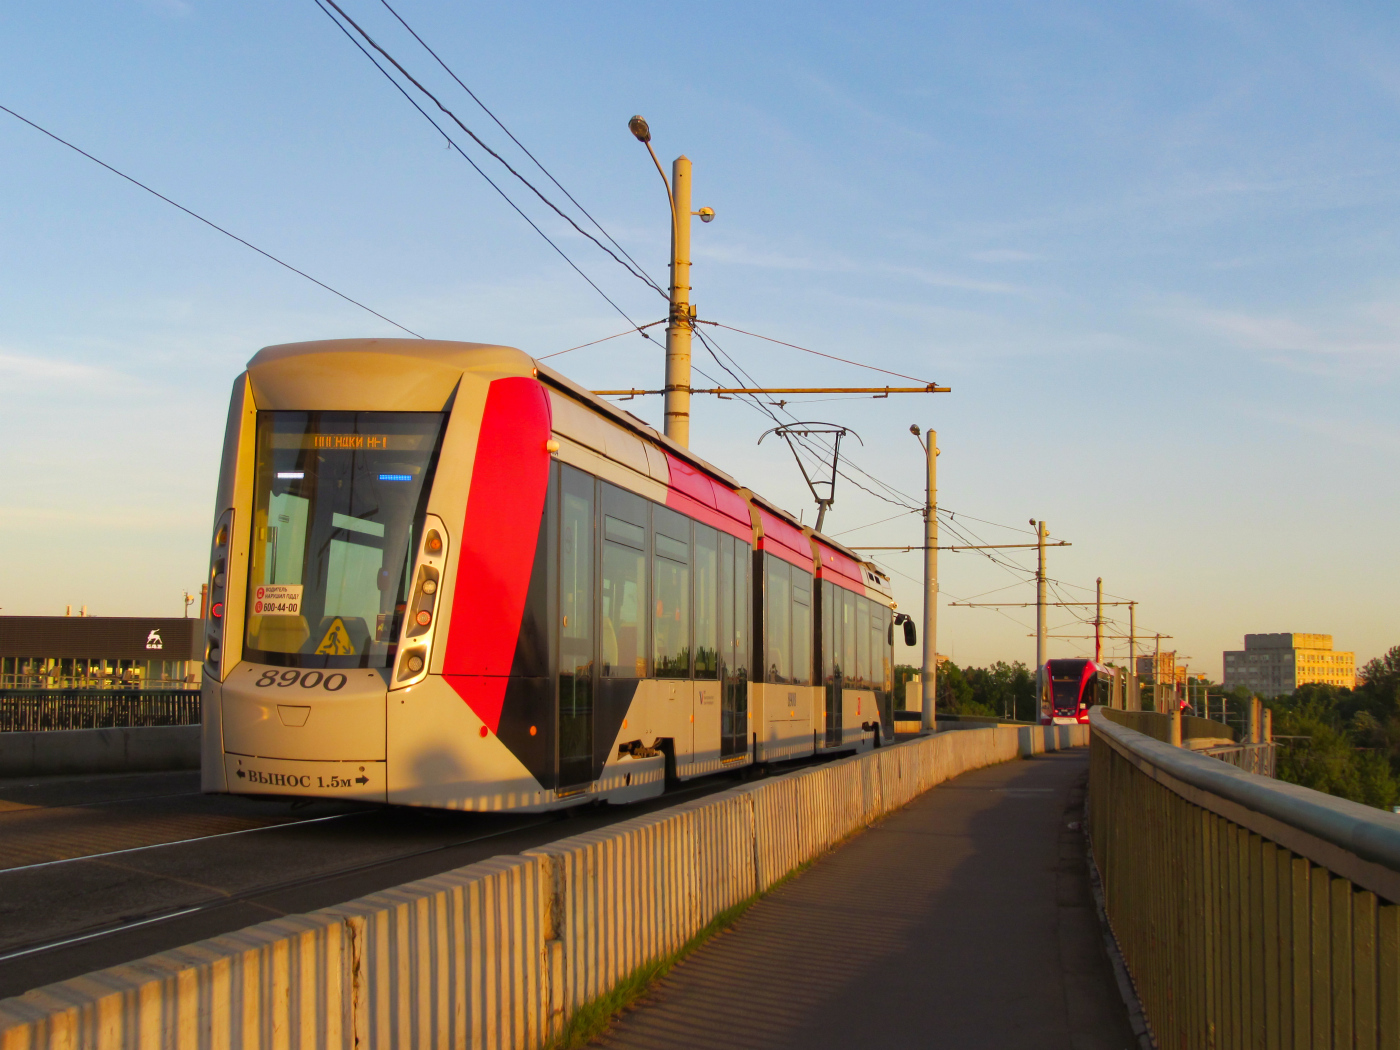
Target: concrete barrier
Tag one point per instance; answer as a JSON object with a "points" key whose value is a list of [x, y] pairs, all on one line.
{"points": [[147, 749], [497, 955]]}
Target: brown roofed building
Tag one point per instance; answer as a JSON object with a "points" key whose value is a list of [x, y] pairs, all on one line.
{"points": [[99, 652]]}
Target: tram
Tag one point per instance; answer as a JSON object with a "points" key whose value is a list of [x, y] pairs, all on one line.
{"points": [[1075, 686], [444, 575]]}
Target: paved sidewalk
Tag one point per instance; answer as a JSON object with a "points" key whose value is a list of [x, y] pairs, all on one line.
{"points": [[963, 920]]}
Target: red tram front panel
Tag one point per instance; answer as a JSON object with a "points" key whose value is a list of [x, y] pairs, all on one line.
{"points": [[1074, 686]]}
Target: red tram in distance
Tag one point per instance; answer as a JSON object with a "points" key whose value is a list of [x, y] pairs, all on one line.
{"points": [[1074, 687], [445, 575]]}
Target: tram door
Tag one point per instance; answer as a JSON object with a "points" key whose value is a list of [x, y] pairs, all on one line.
{"points": [[831, 662], [576, 614]]}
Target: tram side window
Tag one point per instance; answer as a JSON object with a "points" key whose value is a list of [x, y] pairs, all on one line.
{"points": [[848, 639], [624, 598], [743, 609], [576, 627], [881, 655], [880, 664], [706, 624], [724, 606], [735, 566], [801, 627], [777, 631], [863, 675], [671, 596]]}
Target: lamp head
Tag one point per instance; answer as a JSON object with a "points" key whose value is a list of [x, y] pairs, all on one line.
{"points": [[914, 429], [706, 214], [638, 126]]}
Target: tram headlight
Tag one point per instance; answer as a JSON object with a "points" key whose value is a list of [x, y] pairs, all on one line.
{"points": [[424, 617], [412, 663]]}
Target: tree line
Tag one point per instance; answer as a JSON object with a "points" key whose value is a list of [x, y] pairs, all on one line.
{"points": [[1347, 741], [1000, 691]]}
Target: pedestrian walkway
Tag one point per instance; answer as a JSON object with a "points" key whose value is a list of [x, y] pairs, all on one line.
{"points": [[963, 920]]}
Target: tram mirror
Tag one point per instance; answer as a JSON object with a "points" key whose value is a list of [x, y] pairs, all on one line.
{"points": [[911, 634]]}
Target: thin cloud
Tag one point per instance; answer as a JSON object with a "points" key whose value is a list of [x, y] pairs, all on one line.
{"points": [[1363, 342], [47, 371], [739, 255], [996, 255], [143, 519]]}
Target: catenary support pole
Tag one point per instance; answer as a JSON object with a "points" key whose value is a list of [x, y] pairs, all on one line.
{"points": [[1098, 622], [1157, 701], [1132, 656], [929, 670], [1042, 687], [682, 323]]}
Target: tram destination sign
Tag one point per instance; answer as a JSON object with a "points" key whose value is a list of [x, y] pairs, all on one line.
{"points": [[350, 442]]}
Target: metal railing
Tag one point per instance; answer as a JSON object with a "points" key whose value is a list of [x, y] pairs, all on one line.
{"points": [[1157, 725], [1252, 758], [28, 710], [1249, 912], [115, 680]]}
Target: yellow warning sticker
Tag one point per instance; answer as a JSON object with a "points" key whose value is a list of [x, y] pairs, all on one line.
{"points": [[337, 641]]}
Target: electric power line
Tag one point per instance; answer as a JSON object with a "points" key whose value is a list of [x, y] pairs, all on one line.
{"points": [[817, 353], [463, 154], [212, 225], [595, 342], [477, 139], [612, 240]]}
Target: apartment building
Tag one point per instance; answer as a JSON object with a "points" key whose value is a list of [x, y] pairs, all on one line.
{"points": [[1273, 664]]}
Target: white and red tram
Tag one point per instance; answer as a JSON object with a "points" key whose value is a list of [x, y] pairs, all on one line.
{"points": [[444, 575]]}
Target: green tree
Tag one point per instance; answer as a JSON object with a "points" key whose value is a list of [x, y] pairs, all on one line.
{"points": [[1352, 745]]}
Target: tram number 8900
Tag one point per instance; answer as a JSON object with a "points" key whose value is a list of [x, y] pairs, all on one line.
{"points": [[305, 679]]}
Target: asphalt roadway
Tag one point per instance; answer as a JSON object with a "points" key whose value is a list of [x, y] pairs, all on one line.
{"points": [[101, 870], [963, 920]]}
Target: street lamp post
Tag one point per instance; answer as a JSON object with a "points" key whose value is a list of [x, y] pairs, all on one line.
{"points": [[681, 322], [928, 671]]}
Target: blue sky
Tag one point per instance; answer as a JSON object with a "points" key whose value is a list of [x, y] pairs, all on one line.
{"points": [[1152, 248]]}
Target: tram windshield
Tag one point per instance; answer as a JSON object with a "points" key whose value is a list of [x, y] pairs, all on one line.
{"points": [[338, 506]]}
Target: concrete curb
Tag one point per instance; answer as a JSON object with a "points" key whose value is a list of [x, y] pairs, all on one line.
{"points": [[147, 749], [498, 954]]}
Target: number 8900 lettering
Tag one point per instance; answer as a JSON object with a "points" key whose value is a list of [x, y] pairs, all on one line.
{"points": [[305, 679]]}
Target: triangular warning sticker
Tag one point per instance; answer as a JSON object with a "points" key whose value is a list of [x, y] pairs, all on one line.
{"points": [[337, 641]]}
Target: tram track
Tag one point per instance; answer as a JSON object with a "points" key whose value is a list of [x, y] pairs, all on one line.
{"points": [[217, 902]]}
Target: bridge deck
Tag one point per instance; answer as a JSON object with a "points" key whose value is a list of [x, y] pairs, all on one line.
{"points": [[983, 933]]}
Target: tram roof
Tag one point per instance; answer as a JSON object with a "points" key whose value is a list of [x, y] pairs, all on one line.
{"points": [[450, 356]]}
